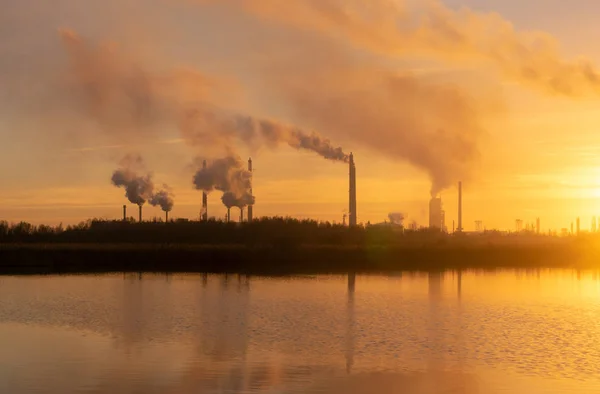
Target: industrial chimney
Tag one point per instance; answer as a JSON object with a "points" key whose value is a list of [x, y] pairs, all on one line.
{"points": [[166, 216], [228, 215], [250, 207], [140, 212], [204, 215], [352, 207], [124, 213], [460, 228], [241, 215]]}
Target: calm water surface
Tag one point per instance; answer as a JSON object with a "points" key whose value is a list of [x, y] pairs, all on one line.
{"points": [[469, 332]]}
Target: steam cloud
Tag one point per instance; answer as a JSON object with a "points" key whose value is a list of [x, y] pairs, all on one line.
{"points": [[140, 188], [163, 198], [228, 175]]}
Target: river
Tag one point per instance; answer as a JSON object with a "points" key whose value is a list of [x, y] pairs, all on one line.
{"points": [[533, 331]]}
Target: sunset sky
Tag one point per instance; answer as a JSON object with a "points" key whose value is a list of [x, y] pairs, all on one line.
{"points": [[501, 94]]}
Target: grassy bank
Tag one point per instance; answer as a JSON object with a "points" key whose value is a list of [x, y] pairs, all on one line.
{"points": [[34, 258]]}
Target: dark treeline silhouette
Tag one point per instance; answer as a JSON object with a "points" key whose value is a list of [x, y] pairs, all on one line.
{"points": [[278, 231], [273, 245], [265, 231]]}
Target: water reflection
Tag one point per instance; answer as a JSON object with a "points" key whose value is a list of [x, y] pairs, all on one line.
{"points": [[240, 334]]}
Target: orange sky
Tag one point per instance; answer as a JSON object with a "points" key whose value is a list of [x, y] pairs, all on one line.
{"points": [[521, 132]]}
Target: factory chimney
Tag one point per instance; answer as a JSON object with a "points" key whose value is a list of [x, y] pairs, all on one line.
{"points": [[352, 207], [124, 213], [250, 207], [166, 216], [460, 228], [228, 215], [140, 213], [241, 215], [204, 215]]}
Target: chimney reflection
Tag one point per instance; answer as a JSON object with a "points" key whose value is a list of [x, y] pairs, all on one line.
{"points": [[350, 323]]}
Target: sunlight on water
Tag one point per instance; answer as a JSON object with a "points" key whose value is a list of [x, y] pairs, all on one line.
{"points": [[470, 332]]}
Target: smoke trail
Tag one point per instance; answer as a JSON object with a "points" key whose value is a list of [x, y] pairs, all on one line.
{"points": [[163, 198], [214, 127], [138, 188], [405, 28]]}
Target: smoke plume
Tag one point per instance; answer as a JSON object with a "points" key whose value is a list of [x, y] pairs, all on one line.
{"points": [[140, 188], [163, 198], [230, 200], [216, 127], [405, 28], [396, 218], [228, 175]]}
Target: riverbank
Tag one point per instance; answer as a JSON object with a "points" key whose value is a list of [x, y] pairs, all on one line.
{"points": [[307, 259]]}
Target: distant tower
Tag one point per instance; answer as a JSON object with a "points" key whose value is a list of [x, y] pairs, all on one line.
{"points": [[352, 207], [537, 225], [460, 228], [250, 207], [124, 213], [478, 226], [140, 205], [204, 214], [436, 214]]}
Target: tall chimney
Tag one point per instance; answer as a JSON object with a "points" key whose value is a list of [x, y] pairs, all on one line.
{"points": [[352, 207], [204, 215], [124, 213], [241, 215], [250, 207], [166, 216], [460, 227], [140, 213], [228, 215]]}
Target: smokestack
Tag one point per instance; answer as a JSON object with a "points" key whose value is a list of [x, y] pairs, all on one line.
{"points": [[140, 213], [241, 215], [228, 215], [124, 213], [166, 216], [204, 215], [352, 207], [250, 207], [460, 228]]}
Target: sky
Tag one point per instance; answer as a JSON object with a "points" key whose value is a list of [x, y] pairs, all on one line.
{"points": [[496, 93]]}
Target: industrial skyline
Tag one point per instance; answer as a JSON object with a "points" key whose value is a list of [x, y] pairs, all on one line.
{"points": [[486, 115]]}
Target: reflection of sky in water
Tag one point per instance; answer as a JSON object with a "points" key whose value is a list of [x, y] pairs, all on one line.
{"points": [[463, 332]]}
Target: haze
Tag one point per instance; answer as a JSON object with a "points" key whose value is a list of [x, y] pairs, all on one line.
{"points": [[494, 93]]}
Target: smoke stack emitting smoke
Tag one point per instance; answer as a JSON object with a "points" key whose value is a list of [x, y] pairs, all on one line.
{"points": [[404, 116], [139, 189], [229, 176]]}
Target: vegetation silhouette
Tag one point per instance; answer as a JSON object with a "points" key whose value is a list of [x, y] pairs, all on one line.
{"points": [[273, 245]]}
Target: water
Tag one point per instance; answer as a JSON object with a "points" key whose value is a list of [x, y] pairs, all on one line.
{"points": [[469, 332]]}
